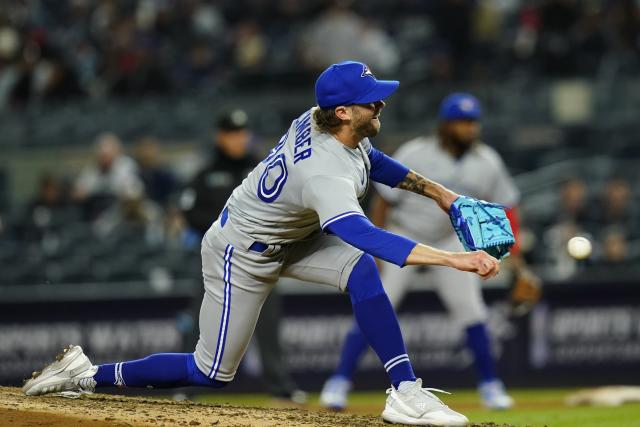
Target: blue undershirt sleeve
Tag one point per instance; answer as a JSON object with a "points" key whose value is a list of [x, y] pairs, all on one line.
{"points": [[385, 169], [358, 231]]}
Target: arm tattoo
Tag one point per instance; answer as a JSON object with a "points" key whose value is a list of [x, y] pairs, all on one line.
{"points": [[418, 184]]}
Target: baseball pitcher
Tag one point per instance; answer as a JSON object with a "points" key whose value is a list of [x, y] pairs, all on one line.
{"points": [[297, 215]]}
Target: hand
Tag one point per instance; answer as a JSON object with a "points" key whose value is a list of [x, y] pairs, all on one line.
{"points": [[479, 262]]}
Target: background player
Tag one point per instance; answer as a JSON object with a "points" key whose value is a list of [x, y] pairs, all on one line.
{"points": [[297, 215], [456, 157]]}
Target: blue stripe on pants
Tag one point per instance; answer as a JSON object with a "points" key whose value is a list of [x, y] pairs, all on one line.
{"points": [[224, 321]]}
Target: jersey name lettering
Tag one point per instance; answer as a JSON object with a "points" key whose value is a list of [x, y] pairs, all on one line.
{"points": [[302, 144]]}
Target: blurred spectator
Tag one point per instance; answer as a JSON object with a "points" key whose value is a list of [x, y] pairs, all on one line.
{"points": [[487, 28], [526, 37], [340, 34], [573, 203], [570, 219], [615, 247], [132, 60], [591, 39], [51, 206], [556, 44], [200, 67], [133, 216], [231, 161], [625, 21], [34, 69], [453, 21], [159, 182], [615, 207], [112, 175], [9, 69], [53, 50], [250, 48], [175, 227], [207, 20], [615, 222]]}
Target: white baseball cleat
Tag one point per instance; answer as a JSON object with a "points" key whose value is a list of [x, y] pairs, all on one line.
{"points": [[71, 375], [335, 393], [411, 404], [494, 396]]}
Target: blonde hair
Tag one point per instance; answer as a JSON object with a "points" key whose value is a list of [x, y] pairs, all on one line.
{"points": [[326, 119]]}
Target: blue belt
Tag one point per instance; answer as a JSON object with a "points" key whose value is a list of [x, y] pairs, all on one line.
{"points": [[258, 247], [255, 246]]}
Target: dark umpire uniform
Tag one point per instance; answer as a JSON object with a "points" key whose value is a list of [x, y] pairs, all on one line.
{"points": [[209, 190], [203, 199]]}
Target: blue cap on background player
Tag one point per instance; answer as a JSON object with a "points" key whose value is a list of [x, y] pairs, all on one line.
{"points": [[350, 82], [460, 106]]}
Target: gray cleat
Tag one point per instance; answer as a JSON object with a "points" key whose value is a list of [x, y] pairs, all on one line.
{"points": [[71, 375]]}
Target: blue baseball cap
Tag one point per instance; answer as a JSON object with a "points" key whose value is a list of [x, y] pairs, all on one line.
{"points": [[350, 82], [460, 106]]}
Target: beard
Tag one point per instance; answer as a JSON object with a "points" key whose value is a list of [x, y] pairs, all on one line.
{"points": [[462, 144], [366, 127]]}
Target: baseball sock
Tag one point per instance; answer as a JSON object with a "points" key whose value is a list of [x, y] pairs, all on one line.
{"points": [[480, 345], [354, 347], [377, 320], [161, 370]]}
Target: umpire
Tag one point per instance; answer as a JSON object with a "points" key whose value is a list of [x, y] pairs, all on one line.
{"points": [[230, 163], [204, 198]]}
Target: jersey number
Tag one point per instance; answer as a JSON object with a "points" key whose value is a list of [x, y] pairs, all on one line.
{"points": [[273, 179]]}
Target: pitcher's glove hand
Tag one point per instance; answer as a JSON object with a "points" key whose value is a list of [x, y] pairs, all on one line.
{"points": [[482, 225], [525, 292]]}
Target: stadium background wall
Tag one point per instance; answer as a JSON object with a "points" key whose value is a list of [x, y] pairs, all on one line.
{"points": [[583, 334]]}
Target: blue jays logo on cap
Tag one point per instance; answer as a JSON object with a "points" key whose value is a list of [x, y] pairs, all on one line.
{"points": [[366, 71], [349, 83], [460, 106]]}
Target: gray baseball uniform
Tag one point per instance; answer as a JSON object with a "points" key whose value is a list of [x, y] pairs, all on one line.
{"points": [[271, 227], [480, 173]]}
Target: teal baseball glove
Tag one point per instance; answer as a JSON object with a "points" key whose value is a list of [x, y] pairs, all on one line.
{"points": [[482, 226]]}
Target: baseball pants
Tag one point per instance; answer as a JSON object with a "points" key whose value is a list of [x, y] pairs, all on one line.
{"points": [[237, 280]]}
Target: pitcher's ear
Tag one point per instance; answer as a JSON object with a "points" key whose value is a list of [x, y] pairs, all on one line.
{"points": [[343, 112]]}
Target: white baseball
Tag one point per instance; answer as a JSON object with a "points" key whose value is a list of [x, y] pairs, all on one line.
{"points": [[579, 247]]}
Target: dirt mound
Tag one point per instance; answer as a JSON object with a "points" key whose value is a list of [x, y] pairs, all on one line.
{"points": [[107, 410]]}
